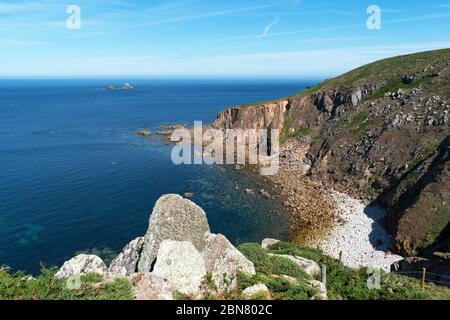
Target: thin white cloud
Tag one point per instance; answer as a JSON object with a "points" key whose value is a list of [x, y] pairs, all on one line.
{"points": [[268, 27], [387, 10], [22, 43], [199, 16], [352, 26], [9, 7], [419, 18]]}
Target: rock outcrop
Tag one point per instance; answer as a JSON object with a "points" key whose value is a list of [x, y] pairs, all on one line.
{"points": [[259, 291], [223, 261], [173, 218], [309, 266], [147, 286], [262, 116], [268, 242], [125, 264], [80, 265], [322, 293], [182, 265], [174, 257]]}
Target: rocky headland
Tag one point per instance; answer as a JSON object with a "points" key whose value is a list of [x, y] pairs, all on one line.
{"points": [[379, 134]]}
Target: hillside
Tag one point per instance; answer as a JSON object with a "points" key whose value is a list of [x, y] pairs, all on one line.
{"points": [[381, 132]]}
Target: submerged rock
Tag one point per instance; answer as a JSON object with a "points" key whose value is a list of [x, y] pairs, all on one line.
{"points": [[144, 133], [182, 265], [250, 191], [173, 218], [80, 265], [125, 264], [265, 193], [127, 86]]}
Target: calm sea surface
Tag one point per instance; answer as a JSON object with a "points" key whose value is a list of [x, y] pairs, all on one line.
{"points": [[75, 177]]}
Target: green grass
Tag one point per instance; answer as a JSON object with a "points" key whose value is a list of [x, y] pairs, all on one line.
{"points": [[18, 286], [385, 69], [391, 87], [343, 283], [270, 265]]}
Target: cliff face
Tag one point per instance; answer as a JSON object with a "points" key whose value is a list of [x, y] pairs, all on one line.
{"points": [[380, 131], [263, 116], [418, 204]]}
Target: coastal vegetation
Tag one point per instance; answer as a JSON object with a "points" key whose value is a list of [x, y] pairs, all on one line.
{"points": [[284, 279]]}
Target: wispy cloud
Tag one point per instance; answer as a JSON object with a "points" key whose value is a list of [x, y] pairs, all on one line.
{"points": [[419, 18], [268, 27], [22, 42], [387, 10], [200, 16], [351, 26], [9, 7]]}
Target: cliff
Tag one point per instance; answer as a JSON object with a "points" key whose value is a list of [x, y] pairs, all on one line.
{"points": [[381, 132], [264, 116]]}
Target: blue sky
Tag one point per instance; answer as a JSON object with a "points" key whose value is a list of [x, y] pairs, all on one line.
{"points": [[213, 38]]}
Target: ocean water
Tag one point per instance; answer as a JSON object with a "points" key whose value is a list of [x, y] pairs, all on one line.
{"points": [[74, 176]]}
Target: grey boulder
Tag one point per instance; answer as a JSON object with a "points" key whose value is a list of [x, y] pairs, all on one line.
{"points": [[125, 264], [268, 242], [182, 265], [80, 265], [309, 266], [259, 291], [224, 261], [147, 286], [173, 218]]}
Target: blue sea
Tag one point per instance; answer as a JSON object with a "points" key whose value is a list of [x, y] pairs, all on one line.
{"points": [[74, 177]]}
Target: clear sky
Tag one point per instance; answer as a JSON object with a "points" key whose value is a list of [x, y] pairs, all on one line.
{"points": [[213, 38]]}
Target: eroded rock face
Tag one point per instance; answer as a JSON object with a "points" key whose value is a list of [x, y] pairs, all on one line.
{"points": [[80, 265], [173, 218], [147, 286], [182, 265], [309, 266], [125, 264], [264, 116]]}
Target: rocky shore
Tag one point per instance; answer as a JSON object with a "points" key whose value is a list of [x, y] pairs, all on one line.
{"points": [[343, 227], [359, 239]]}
